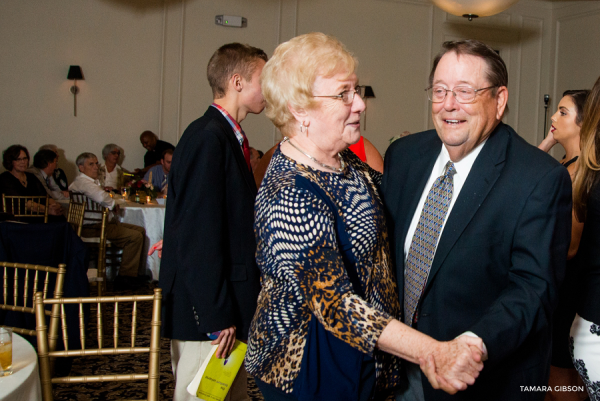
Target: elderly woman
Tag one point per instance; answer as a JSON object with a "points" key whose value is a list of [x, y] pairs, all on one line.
{"points": [[327, 326], [110, 174], [16, 181]]}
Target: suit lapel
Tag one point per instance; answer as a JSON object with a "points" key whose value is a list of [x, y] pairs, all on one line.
{"points": [[410, 195], [237, 151], [482, 177]]}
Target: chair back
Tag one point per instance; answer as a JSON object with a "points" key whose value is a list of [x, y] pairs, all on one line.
{"points": [[26, 206], [19, 285], [75, 215], [92, 210], [95, 213], [120, 304]]}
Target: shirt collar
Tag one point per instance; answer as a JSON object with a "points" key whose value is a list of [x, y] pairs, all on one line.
{"points": [[462, 167], [87, 177], [237, 130]]}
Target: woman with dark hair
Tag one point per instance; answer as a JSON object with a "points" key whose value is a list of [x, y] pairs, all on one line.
{"points": [[565, 130], [585, 331], [18, 182]]}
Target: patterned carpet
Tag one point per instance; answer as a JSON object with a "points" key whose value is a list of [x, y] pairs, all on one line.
{"points": [[125, 364]]}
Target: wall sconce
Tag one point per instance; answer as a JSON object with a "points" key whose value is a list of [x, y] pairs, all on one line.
{"points": [[75, 74], [473, 8], [367, 95]]}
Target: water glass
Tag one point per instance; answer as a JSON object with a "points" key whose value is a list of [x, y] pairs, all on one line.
{"points": [[124, 192], [5, 351]]}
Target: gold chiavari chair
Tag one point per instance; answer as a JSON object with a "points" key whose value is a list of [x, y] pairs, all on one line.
{"points": [[26, 206], [119, 302], [75, 215], [22, 273], [95, 213]]}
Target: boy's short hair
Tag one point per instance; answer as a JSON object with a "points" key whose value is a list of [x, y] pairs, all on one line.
{"points": [[229, 59]]}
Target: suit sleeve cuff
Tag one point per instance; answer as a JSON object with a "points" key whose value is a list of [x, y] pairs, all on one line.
{"points": [[471, 334]]}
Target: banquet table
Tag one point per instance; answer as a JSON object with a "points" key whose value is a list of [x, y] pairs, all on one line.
{"points": [[151, 216], [24, 383]]}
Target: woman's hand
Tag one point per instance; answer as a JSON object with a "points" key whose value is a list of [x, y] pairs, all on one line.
{"points": [[156, 247], [454, 364], [548, 142], [226, 340]]}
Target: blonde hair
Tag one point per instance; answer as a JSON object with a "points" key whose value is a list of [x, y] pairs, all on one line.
{"points": [[288, 77], [589, 160]]}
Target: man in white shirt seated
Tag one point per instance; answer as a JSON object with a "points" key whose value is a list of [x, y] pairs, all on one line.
{"points": [[160, 172], [127, 236], [44, 164]]}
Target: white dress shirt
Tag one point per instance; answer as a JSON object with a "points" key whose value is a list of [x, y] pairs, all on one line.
{"points": [[92, 189]]}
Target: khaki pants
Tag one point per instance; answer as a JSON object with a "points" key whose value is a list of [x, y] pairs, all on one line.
{"points": [[186, 357], [127, 236]]}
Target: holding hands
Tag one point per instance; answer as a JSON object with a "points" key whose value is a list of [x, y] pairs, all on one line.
{"points": [[454, 364]]}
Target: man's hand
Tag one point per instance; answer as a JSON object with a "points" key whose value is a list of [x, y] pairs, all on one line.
{"points": [[156, 247], [66, 194], [454, 364], [55, 209], [226, 340]]}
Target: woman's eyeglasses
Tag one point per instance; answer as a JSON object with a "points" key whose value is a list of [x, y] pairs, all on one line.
{"points": [[347, 97]]}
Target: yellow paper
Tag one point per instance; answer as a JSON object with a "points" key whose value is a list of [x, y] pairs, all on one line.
{"points": [[214, 379]]}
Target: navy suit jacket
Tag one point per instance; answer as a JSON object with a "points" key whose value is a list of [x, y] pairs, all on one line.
{"points": [[499, 261], [208, 272]]}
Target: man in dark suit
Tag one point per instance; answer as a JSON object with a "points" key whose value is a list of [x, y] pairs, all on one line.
{"points": [[208, 273], [484, 251]]}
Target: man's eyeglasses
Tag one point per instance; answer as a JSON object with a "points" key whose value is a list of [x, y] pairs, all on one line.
{"points": [[462, 94], [347, 97], [116, 153]]}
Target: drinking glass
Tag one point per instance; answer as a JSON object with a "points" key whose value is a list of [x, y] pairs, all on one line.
{"points": [[5, 351], [124, 192]]}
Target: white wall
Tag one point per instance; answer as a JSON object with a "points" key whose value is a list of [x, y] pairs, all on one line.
{"points": [[144, 63]]}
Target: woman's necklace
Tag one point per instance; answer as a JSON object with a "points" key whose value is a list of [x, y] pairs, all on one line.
{"points": [[24, 180], [335, 169]]}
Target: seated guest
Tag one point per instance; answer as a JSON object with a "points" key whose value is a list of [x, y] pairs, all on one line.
{"points": [[155, 148], [59, 178], [126, 236], [18, 182], [110, 174], [157, 175], [44, 165]]}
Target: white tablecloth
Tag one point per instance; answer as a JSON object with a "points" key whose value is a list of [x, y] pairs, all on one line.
{"points": [[152, 218], [24, 383]]}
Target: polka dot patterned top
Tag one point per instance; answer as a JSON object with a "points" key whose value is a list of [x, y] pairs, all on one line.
{"points": [[303, 273]]}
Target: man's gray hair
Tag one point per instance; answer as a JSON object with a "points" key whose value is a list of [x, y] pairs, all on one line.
{"points": [[83, 157]]}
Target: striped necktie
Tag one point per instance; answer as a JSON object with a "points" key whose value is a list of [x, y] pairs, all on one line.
{"points": [[425, 239]]}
